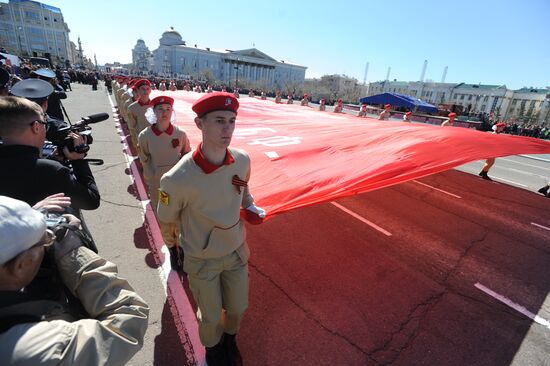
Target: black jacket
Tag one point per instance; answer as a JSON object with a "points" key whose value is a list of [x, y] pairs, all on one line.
{"points": [[24, 176]]}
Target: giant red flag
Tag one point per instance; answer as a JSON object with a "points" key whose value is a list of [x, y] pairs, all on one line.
{"points": [[301, 156]]}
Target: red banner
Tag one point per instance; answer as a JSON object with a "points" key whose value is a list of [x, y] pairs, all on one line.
{"points": [[301, 156]]}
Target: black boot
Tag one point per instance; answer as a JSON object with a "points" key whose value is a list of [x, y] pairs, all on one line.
{"points": [[233, 354], [483, 174], [544, 190], [217, 355]]}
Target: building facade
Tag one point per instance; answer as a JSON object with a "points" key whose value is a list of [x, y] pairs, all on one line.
{"points": [[33, 29], [251, 67], [142, 60], [528, 105]]}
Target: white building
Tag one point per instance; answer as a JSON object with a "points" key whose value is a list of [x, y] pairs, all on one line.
{"points": [[141, 57], [250, 67], [527, 104], [30, 28]]}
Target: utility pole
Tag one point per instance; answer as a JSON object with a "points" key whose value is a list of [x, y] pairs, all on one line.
{"points": [[424, 70], [444, 74], [80, 54], [366, 72]]}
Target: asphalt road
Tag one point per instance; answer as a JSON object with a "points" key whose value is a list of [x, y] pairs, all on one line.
{"points": [[446, 270]]}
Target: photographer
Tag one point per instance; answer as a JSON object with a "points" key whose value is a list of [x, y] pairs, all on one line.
{"points": [[31, 179], [37, 331], [54, 99]]}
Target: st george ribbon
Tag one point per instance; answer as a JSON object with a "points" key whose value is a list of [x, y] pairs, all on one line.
{"points": [[301, 156]]}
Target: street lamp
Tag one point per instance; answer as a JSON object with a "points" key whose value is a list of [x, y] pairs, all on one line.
{"points": [[236, 73], [19, 29]]}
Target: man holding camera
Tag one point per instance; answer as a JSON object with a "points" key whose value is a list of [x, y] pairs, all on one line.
{"points": [[23, 132], [35, 330]]}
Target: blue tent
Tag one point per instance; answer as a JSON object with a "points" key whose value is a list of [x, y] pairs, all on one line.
{"points": [[400, 100]]}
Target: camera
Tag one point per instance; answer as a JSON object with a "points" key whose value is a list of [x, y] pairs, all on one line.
{"points": [[55, 223], [60, 137], [59, 225]]}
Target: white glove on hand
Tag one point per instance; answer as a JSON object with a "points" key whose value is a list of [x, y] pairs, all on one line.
{"points": [[254, 215], [257, 210]]}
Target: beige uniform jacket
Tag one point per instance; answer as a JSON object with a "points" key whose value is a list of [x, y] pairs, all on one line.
{"points": [[206, 207], [158, 154], [111, 336]]}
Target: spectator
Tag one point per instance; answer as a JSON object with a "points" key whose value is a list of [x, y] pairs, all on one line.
{"points": [[36, 331], [23, 131]]}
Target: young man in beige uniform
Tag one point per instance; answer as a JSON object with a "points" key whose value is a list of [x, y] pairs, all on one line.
{"points": [[450, 120], [161, 145], [497, 128], [322, 105], [278, 97], [136, 110], [338, 106], [362, 110], [203, 195], [385, 114], [305, 101]]}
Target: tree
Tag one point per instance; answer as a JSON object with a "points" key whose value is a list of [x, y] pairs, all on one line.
{"points": [[208, 75]]}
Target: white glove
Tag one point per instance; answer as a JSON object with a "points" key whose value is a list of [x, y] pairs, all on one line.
{"points": [[257, 210]]}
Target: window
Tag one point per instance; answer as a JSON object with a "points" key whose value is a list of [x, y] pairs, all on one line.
{"points": [[32, 15], [514, 102], [483, 107], [469, 97], [486, 98], [462, 97]]}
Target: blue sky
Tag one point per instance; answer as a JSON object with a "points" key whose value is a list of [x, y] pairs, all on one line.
{"points": [[488, 41]]}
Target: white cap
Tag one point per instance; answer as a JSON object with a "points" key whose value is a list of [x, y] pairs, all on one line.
{"points": [[21, 227]]}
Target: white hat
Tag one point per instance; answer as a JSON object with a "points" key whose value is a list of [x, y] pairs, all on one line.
{"points": [[21, 227]]}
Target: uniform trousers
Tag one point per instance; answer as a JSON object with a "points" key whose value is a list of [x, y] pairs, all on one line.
{"points": [[220, 289]]}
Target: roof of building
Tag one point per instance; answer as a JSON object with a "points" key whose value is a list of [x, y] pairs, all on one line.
{"points": [[478, 86], [525, 90], [171, 30]]}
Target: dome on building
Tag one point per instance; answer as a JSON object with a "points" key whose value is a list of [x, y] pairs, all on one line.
{"points": [[171, 37]]}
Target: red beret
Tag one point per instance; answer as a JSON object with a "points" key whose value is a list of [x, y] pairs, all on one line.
{"points": [[452, 114], [408, 113], [141, 82], [340, 100], [217, 101], [161, 99], [364, 104], [501, 124], [387, 106]]}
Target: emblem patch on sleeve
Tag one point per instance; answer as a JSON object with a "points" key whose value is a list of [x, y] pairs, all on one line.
{"points": [[164, 198]]}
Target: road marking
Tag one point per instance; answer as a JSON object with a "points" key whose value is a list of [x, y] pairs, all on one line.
{"points": [[180, 307], [437, 189], [524, 172], [517, 162], [272, 154], [541, 226], [362, 219], [514, 306], [509, 181], [535, 158]]}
